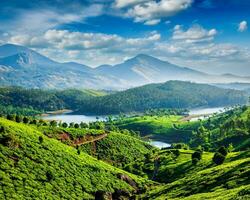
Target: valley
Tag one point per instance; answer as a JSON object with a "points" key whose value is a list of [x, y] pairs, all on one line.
{"points": [[114, 150]]}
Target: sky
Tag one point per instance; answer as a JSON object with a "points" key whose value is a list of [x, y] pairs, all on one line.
{"points": [[208, 35]]}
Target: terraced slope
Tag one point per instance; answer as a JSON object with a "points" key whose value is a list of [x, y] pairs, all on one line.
{"points": [[206, 180], [35, 166]]}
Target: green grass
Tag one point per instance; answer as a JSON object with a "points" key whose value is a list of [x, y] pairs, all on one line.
{"points": [[166, 128], [207, 180], [35, 169]]}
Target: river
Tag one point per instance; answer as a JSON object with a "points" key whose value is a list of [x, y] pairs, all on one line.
{"points": [[68, 118]]}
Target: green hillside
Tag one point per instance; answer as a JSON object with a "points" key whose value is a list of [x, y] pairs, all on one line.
{"points": [[35, 166], [170, 128], [172, 94], [17, 100], [231, 127], [206, 180]]}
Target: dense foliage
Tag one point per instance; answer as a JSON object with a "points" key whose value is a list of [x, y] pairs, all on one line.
{"points": [[228, 128], [172, 94], [17, 100]]}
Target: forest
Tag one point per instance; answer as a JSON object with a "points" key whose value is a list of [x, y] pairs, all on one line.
{"points": [[172, 94]]}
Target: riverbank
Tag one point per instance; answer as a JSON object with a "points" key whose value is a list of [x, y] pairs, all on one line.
{"points": [[57, 112]]}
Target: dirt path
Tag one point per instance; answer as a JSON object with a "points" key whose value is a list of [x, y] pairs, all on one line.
{"points": [[189, 117], [99, 137]]}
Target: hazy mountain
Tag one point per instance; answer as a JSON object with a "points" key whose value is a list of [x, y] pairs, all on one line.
{"points": [[144, 69], [236, 86], [25, 67]]}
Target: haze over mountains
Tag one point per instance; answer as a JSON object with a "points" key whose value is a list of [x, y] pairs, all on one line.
{"points": [[24, 67]]}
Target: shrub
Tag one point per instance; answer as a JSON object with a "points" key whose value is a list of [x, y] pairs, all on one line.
{"points": [[176, 153], [64, 125], [197, 155], [50, 176], [53, 123], [10, 117], [195, 161], [223, 151], [26, 120], [76, 125], [40, 139], [218, 158], [18, 119], [84, 125]]}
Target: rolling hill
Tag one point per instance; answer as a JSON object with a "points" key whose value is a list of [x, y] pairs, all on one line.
{"points": [[36, 166], [172, 94]]}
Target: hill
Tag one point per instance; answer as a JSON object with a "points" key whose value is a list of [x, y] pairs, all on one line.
{"points": [[231, 127], [172, 94], [17, 100], [20, 66], [205, 180], [35, 166]]}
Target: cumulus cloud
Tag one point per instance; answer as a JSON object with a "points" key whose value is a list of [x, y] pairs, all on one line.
{"points": [[125, 3], [196, 33], [153, 10], [242, 26]]}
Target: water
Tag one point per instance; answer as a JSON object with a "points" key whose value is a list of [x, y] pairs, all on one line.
{"points": [[206, 111], [160, 144], [73, 118]]}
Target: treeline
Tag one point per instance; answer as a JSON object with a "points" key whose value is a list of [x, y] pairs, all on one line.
{"points": [[154, 97], [172, 94], [231, 128], [17, 100]]}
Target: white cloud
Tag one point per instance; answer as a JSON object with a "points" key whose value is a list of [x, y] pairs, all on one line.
{"points": [[152, 22], [152, 10], [242, 26], [41, 20], [125, 3], [196, 33]]}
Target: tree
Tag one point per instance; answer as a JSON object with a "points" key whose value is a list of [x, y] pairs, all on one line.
{"points": [[218, 158], [197, 155], [33, 121], [84, 125], [26, 120], [195, 161], [64, 125], [10, 117], [223, 150], [76, 125], [71, 125], [18, 118], [53, 123]]}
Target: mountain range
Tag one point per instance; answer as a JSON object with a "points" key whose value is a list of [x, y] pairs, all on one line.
{"points": [[22, 66]]}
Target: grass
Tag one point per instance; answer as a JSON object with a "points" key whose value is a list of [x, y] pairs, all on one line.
{"points": [[207, 180], [166, 128], [35, 168]]}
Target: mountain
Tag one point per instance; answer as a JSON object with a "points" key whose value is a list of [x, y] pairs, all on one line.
{"points": [[144, 69], [172, 94], [24, 67], [236, 86]]}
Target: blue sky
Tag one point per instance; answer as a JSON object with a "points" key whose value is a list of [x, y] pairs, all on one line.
{"points": [[209, 35]]}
